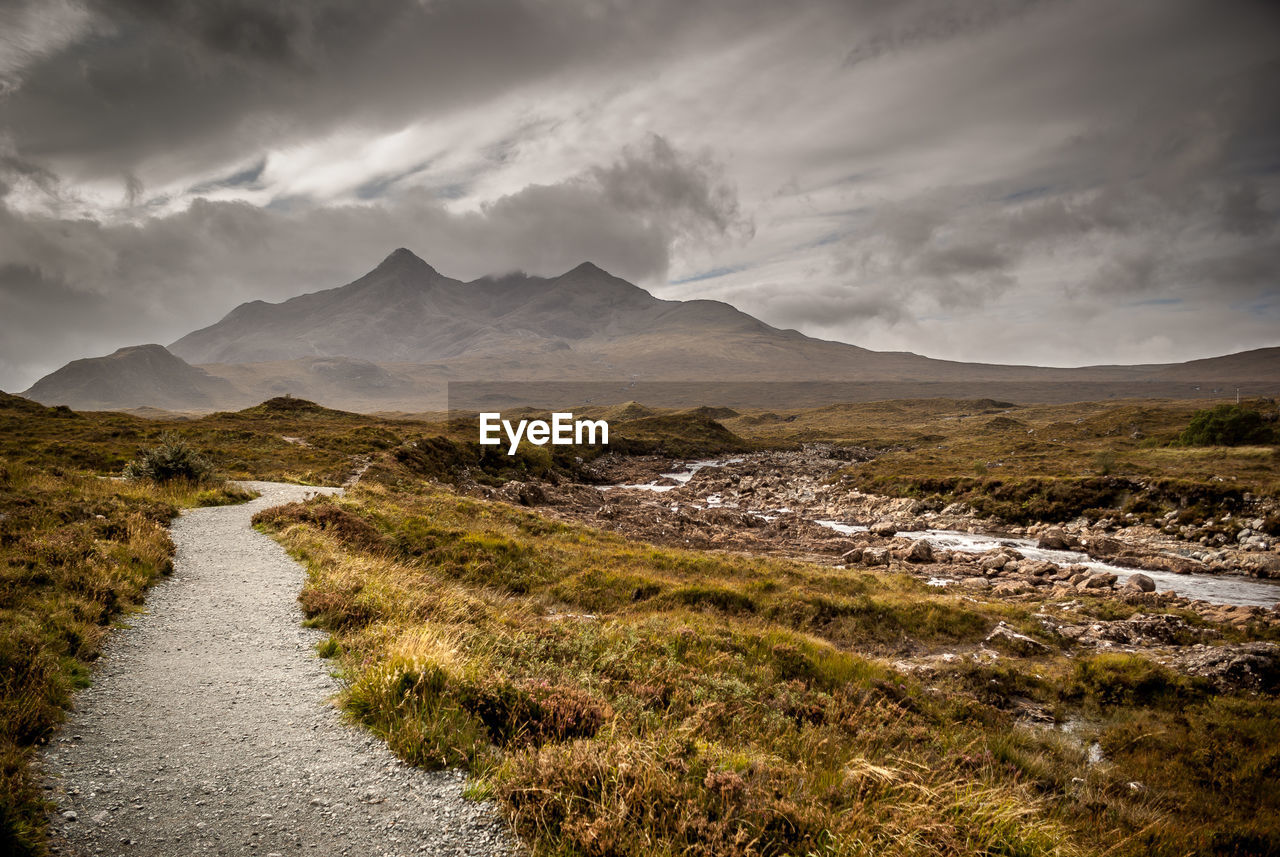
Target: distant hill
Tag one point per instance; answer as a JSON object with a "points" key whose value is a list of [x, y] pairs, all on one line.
{"points": [[134, 377], [392, 340]]}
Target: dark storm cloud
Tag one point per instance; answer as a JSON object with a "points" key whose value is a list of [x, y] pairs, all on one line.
{"points": [[906, 173], [267, 33], [1242, 212], [193, 79]]}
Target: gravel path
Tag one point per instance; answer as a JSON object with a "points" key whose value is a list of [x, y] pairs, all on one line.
{"points": [[209, 727]]}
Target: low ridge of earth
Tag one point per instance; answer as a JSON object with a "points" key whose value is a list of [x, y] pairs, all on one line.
{"points": [[209, 729]]}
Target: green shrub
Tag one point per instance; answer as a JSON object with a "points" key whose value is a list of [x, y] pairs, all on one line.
{"points": [[174, 459], [1227, 425]]}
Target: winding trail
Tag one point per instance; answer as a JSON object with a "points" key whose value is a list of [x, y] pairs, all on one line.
{"points": [[209, 728]]}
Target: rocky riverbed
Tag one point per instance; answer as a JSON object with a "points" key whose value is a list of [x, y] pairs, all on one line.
{"points": [[796, 504]]}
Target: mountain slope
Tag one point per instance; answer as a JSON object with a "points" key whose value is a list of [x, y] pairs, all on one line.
{"points": [[404, 311], [133, 377]]}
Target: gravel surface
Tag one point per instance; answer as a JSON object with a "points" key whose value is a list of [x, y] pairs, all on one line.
{"points": [[209, 727]]}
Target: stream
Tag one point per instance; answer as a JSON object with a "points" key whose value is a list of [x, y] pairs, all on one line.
{"points": [[1215, 588]]}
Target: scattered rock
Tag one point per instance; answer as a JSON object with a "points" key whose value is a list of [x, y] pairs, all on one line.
{"points": [[1099, 580], [920, 551], [1245, 666], [1006, 638], [1101, 547], [1012, 587]]}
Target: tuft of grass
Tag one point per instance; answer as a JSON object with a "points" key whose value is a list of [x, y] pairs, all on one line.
{"points": [[1120, 679]]}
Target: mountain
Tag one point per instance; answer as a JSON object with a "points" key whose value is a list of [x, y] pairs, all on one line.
{"points": [[134, 377], [393, 339], [404, 311]]}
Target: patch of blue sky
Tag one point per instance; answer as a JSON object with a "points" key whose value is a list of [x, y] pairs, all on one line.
{"points": [[1266, 305], [1027, 193], [711, 274], [244, 178], [457, 190], [289, 202], [1155, 302], [376, 187]]}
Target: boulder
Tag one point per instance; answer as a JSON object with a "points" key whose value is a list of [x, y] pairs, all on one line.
{"points": [[976, 583], [875, 556], [885, 528], [1006, 638], [1140, 582], [1262, 565], [920, 551], [1053, 539], [1037, 569], [1246, 666], [1164, 562], [1102, 546], [1012, 587]]}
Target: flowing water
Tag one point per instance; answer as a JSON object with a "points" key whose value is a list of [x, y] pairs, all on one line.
{"points": [[1215, 588]]}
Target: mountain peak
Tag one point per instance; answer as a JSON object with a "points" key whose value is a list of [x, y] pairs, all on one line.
{"points": [[150, 350], [588, 268], [403, 259]]}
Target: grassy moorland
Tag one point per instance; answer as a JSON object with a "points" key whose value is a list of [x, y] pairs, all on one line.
{"points": [[77, 551], [618, 698]]}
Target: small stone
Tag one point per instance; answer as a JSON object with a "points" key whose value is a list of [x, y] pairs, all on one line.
{"points": [[70, 815]]}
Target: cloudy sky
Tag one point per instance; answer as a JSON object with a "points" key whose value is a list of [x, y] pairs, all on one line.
{"points": [[1029, 181]]}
